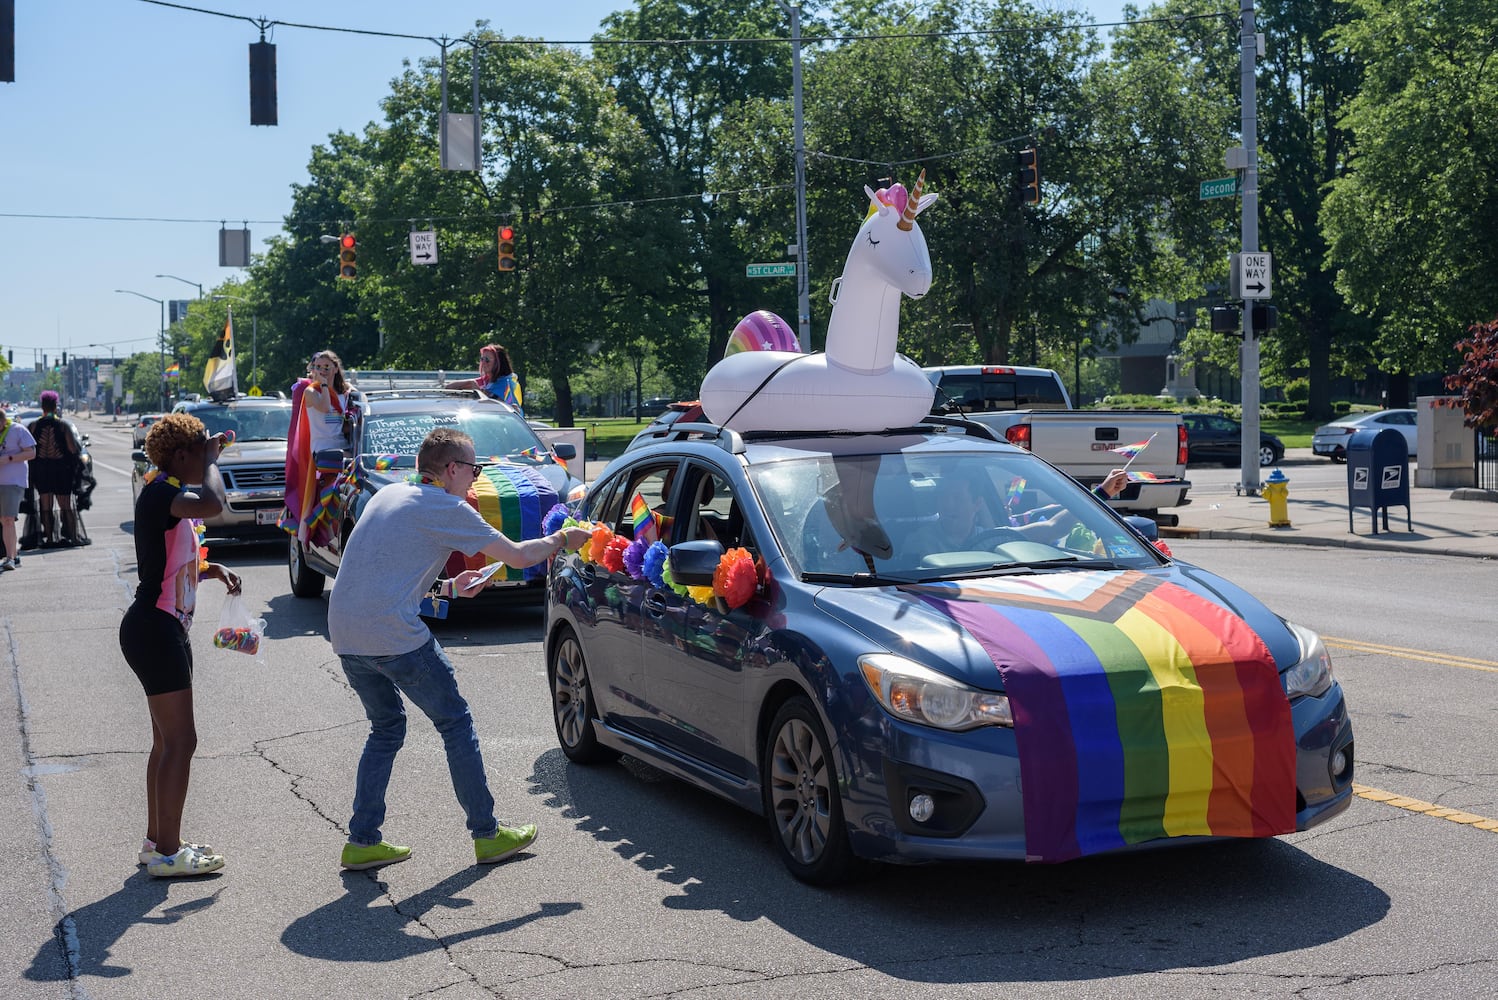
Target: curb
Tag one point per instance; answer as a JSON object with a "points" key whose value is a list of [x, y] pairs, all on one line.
{"points": [[1351, 542]]}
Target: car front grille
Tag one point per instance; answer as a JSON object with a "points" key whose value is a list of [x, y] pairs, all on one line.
{"points": [[254, 478]]}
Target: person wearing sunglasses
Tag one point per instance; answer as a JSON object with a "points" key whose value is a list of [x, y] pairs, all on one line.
{"points": [[321, 425], [496, 377], [398, 547]]}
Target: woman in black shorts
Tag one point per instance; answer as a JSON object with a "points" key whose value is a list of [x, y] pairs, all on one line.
{"points": [[153, 634]]}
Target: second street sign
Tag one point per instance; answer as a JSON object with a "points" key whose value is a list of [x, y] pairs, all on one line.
{"points": [[1223, 187]]}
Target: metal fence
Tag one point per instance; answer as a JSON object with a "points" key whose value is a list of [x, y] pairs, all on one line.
{"points": [[1485, 462]]}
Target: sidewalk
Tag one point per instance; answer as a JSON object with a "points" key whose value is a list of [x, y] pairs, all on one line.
{"points": [[1445, 521]]}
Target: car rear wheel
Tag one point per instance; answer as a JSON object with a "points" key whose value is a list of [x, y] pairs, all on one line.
{"points": [[305, 581], [1268, 455], [572, 706], [799, 782]]}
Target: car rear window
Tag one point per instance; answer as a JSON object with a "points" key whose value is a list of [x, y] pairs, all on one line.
{"points": [[1015, 391]]}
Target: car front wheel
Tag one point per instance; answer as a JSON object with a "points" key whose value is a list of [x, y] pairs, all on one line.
{"points": [[800, 788], [572, 706], [305, 581], [1268, 455]]}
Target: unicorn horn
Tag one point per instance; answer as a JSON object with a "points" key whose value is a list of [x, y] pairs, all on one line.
{"points": [[912, 204]]}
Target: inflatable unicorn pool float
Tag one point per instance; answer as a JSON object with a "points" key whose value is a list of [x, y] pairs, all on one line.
{"points": [[858, 383]]}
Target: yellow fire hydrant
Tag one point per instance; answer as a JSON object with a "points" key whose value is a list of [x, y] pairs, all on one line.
{"points": [[1277, 492]]}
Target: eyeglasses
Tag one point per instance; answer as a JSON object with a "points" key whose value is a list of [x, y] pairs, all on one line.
{"points": [[322, 368], [477, 467]]}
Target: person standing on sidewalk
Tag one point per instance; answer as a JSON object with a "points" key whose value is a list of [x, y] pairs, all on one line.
{"points": [[398, 547], [53, 472], [153, 633], [17, 447]]}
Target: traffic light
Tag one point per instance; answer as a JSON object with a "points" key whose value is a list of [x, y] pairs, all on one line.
{"points": [[64, 359], [348, 265], [1266, 317], [1029, 177], [506, 248]]}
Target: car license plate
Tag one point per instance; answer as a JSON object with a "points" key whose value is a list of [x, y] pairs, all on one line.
{"points": [[267, 515]]}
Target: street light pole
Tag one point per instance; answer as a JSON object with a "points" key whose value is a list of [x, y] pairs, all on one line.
{"points": [[195, 284], [160, 338]]}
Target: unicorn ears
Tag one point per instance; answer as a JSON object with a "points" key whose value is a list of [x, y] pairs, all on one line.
{"points": [[875, 202], [926, 202]]}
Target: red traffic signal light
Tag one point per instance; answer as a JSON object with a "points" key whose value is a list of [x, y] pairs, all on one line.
{"points": [[348, 264], [506, 248]]}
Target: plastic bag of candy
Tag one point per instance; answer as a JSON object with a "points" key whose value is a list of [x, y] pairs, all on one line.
{"points": [[238, 631]]}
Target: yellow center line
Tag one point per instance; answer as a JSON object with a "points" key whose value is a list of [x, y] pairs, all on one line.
{"points": [[1419, 655], [1426, 808]]}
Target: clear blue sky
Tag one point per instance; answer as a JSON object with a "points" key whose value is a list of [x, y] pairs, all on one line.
{"points": [[129, 109]]}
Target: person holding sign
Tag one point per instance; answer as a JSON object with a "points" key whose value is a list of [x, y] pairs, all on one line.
{"points": [[397, 548], [496, 376]]}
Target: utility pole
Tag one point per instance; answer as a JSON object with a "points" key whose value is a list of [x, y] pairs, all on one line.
{"points": [[1249, 356], [803, 271]]}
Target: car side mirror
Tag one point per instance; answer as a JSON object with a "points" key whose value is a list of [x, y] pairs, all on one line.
{"points": [[693, 563], [566, 452], [138, 455]]}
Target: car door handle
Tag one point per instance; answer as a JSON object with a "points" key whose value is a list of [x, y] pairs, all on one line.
{"points": [[655, 603], [589, 573]]}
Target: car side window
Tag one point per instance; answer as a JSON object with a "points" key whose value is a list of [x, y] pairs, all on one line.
{"points": [[652, 484], [716, 511]]}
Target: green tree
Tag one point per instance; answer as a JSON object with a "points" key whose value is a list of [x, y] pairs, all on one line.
{"points": [[1410, 223]]}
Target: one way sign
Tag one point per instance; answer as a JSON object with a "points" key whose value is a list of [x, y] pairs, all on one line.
{"points": [[1251, 274], [423, 246]]}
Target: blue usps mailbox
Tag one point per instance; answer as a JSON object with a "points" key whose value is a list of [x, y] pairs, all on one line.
{"points": [[1378, 474]]}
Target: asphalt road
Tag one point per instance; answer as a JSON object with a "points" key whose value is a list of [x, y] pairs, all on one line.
{"points": [[641, 887]]}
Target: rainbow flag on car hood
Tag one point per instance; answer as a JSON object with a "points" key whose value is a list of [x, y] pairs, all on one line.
{"points": [[513, 498], [1141, 710]]}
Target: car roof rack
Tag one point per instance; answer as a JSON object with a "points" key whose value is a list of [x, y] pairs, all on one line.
{"points": [[730, 441], [416, 392]]}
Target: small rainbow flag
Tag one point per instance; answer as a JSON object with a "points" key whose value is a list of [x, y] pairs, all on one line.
{"points": [[1141, 710], [1132, 450], [173, 370], [647, 524]]}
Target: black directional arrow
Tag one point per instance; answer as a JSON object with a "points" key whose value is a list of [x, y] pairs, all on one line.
{"points": [[424, 255], [1256, 287]]}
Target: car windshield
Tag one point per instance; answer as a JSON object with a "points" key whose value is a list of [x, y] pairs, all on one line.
{"points": [[257, 423], [949, 514], [391, 440]]}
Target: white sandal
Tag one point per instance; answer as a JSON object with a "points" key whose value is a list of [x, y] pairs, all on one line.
{"points": [[185, 862]]}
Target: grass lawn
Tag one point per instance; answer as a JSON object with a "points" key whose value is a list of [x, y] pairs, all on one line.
{"points": [[608, 436]]}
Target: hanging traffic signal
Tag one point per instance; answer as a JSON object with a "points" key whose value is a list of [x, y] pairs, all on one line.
{"points": [[1029, 177], [506, 248], [348, 265]]}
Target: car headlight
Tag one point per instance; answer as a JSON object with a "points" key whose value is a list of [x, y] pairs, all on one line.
{"points": [[918, 694], [1312, 673]]}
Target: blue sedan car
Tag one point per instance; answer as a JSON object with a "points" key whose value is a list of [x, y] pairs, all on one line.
{"points": [[924, 644]]}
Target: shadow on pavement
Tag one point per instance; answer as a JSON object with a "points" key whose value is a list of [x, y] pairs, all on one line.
{"points": [[353, 928], [80, 943], [1185, 907]]}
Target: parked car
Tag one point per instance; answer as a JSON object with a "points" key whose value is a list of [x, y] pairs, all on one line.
{"points": [[253, 467], [142, 427], [390, 426], [1211, 437], [652, 407], [879, 692], [1331, 439]]}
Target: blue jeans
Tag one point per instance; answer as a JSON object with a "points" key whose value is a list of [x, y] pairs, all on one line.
{"points": [[425, 676]]}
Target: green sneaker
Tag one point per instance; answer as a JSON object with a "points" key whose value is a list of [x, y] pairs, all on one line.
{"points": [[506, 842], [358, 857]]}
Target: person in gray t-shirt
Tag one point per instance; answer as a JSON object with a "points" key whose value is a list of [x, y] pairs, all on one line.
{"points": [[403, 538]]}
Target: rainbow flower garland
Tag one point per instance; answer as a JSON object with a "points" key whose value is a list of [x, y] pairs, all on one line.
{"points": [[736, 578]]}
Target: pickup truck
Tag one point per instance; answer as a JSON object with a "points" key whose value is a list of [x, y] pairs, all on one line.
{"points": [[1031, 409]]}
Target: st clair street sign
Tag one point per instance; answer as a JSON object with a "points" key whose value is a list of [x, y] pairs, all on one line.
{"points": [[770, 270]]}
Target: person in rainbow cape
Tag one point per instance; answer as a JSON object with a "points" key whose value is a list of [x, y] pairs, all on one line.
{"points": [[321, 423], [496, 377]]}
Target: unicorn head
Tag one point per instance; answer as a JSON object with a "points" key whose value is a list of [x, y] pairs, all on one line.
{"points": [[890, 243]]}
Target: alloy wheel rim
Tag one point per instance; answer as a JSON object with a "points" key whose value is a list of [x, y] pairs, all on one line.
{"points": [[800, 793], [570, 693]]}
